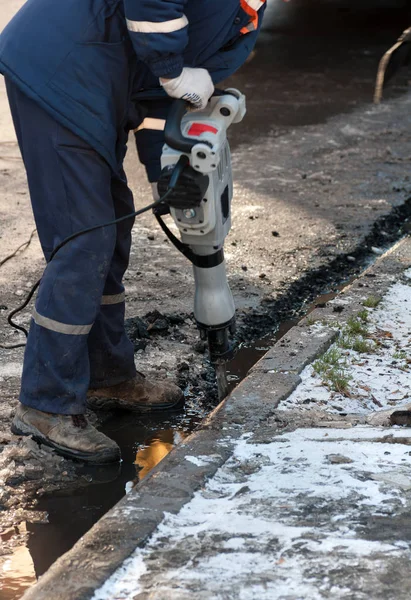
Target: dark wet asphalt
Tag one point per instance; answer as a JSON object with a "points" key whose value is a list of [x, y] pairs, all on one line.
{"points": [[315, 59]]}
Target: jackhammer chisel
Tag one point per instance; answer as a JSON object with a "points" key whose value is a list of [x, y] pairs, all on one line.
{"points": [[200, 205]]}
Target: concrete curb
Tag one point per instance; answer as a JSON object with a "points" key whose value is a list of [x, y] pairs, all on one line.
{"points": [[82, 570]]}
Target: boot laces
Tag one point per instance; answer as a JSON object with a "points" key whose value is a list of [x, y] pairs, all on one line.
{"points": [[79, 421]]}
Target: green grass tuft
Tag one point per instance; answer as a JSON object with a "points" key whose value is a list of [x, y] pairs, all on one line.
{"points": [[372, 302], [356, 327], [362, 346], [363, 315], [329, 359], [338, 380], [356, 343], [330, 367], [345, 341]]}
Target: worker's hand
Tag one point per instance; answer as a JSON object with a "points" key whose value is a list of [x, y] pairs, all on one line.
{"points": [[193, 85]]}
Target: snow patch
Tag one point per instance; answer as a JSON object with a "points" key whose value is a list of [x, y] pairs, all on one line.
{"points": [[379, 380], [10, 369], [203, 460]]}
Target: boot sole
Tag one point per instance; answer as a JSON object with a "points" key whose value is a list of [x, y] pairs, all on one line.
{"points": [[112, 403], [104, 457]]}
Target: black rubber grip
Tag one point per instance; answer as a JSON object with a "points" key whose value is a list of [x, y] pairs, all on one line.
{"points": [[172, 133]]}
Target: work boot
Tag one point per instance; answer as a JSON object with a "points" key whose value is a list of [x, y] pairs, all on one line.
{"points": [[70, 435], [138, 394]]}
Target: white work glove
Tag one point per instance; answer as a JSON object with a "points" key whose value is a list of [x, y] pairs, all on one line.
{"points": [[193, 85]]}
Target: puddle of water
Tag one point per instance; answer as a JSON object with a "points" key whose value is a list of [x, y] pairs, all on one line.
{"points": [[71, 513], [17, 574]]}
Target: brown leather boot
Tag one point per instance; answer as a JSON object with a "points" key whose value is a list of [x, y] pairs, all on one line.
{"points": [[138, 394], [70, 435]]}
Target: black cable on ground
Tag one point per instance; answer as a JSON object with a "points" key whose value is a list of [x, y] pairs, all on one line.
{"points": [[22, 247], [173, 182]]}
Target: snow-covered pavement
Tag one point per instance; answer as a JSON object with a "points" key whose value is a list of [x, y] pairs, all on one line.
{"points": [[277, 519], [308, 514]]}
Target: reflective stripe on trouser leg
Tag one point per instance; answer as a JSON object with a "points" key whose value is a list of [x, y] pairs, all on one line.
{"points": [[70, 190], [60, 327], [113, 299], [111, 353]]}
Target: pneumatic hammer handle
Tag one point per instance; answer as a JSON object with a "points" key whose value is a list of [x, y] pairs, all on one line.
{"points": [[172, 132]]}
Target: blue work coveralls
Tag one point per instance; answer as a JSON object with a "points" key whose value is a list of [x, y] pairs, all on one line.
{"points": [[80, 74]]}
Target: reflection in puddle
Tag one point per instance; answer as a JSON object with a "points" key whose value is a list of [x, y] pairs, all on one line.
{"points": [[17, 574], [158, 447]]}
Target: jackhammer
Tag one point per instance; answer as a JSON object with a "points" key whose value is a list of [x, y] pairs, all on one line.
{"points": [[200, 205]]}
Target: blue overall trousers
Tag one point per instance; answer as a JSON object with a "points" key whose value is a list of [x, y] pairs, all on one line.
{"points": [[77, 338]]}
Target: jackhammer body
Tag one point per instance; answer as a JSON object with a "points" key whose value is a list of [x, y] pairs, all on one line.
{"points": [[200, 206]]}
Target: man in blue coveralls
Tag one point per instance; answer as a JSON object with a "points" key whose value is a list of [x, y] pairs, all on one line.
{"points": [[79, 75]]}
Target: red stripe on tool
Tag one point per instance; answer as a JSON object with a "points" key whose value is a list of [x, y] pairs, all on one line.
{"points": [[199, 128]]}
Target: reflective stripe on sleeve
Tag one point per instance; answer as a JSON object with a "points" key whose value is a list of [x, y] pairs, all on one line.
{"points": [[249, 28], [254, 4], [60, 327], [153, 27], [150, 123], [113, 299]]}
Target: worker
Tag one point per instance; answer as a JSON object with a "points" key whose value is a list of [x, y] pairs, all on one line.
{"points": [[80, 74]]}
